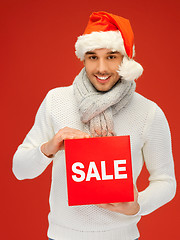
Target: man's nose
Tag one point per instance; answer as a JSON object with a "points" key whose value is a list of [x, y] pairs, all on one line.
{"points": [[102, 66]]}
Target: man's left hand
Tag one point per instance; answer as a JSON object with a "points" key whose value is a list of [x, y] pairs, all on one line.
{"points": [[127, 208]]}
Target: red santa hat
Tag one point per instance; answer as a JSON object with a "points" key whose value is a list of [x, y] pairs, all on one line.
{"points": [[105, 30]]}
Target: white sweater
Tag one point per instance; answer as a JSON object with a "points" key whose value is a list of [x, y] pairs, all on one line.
{"points": [[150, 137]]}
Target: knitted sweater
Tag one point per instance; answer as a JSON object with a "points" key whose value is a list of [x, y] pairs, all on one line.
{"points": [[150, 137]]}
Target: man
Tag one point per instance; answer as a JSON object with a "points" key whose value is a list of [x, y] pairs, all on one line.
{"points": [[101, 102]]}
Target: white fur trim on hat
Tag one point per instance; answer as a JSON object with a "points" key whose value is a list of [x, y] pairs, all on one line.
{"points": [[130, 70], [111, 40]]}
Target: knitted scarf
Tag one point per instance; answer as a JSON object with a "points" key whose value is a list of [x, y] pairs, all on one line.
{"points": [[97, 108]]}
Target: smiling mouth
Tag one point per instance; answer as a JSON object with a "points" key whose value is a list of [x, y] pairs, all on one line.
{"points": [[102, 79]]}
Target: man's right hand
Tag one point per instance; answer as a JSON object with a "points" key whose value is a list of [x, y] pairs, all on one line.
{"points": [[51, 147]]}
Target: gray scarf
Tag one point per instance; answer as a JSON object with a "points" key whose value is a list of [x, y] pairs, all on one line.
{"points": [[97, 108]]}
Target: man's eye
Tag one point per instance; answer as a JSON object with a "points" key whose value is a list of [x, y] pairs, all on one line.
{"points": [[93, 57], [111, 57]]}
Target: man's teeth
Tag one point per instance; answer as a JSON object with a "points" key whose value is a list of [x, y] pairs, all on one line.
{"points": [[102, 78]]}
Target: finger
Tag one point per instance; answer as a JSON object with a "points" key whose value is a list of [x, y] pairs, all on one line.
{"points": [[135, 194], [115, 204], [107, 206], [81, 135]]}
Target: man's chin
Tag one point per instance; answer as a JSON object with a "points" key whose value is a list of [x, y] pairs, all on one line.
{"points": [[103, 88]]}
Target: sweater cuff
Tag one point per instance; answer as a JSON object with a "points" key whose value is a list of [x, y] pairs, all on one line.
{"points": [[141, 204]]}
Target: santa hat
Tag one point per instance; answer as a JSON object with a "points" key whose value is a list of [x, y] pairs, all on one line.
{"points": [[105, 30]]}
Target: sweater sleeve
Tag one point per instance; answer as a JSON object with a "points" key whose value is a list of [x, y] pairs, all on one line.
{"points": [[28, 161], [157, 153]]}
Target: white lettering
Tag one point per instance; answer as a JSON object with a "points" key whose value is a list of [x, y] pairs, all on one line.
{"points": [[92, 172], [78, 171], [118, 169], [103, 172]]}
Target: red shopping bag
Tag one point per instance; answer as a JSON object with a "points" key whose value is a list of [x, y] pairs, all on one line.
{"points": [[99, 170]]}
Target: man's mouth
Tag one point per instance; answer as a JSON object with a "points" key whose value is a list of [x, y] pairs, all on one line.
{"points": [[102, 79]]}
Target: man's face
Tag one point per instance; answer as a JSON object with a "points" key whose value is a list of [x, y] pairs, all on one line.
{"points": [[101, 67]]}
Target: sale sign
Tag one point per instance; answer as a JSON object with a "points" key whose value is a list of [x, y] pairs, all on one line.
{"points": [[99, 170]]}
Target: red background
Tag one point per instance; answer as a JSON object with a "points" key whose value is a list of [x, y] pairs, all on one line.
{"points": [[37, 54]]}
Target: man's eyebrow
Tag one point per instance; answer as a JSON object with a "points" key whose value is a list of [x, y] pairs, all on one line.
{"points": [[113, 52], [90, 52]]}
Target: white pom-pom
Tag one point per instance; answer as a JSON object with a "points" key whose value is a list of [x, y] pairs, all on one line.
{"points": [[130, 70]]}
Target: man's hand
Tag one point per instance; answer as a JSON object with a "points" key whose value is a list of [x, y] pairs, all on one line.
{"points": [[57, 142], [127, 208]]}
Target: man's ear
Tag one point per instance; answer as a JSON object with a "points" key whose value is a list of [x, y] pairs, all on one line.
{"points": [[84, 62]]}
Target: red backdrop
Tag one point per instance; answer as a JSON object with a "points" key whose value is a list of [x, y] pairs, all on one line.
{"points": [[37, 54]]}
